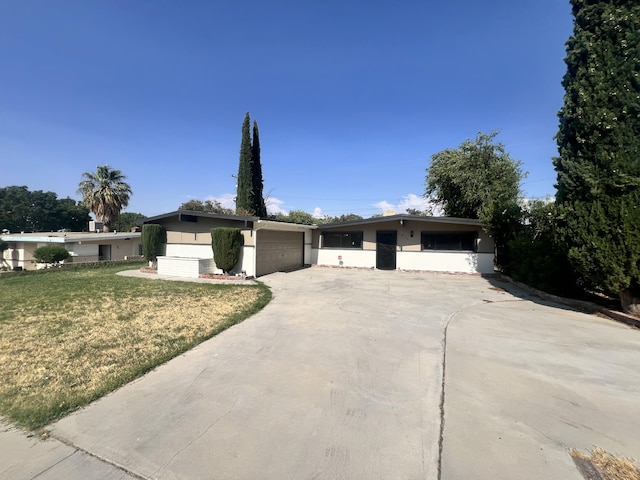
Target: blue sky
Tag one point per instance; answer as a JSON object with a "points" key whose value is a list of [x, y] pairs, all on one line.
{"points": [[352, 97]]}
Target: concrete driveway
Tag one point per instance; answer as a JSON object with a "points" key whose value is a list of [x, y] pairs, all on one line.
{"points": [[341, 376]]}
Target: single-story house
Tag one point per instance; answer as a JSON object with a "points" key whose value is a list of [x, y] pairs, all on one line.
{"points": [[268, 246], [406, 242], [403, 242], [82, 247]]}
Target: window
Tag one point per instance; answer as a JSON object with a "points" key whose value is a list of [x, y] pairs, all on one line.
{"points": [[465, 241], [183, 217], [342, 240]]}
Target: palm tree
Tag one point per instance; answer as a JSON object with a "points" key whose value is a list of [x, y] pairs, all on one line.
{"points": [[105, 193]]}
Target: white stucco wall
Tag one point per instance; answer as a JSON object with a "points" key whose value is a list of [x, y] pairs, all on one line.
{"points": [[188, 250], [185, 266], [308, 253], [460, 262], [247, 261], [350, 257]]}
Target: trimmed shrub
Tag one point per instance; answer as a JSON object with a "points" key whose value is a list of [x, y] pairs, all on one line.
{"points": [[3, 246], [50, 254], [226, 244], [153, 237]]}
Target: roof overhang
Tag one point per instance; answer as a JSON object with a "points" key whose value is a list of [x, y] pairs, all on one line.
{"points": [[282, 226], [401, 219], [177, 213]]}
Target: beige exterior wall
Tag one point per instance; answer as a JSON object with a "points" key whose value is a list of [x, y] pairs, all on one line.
{"points": [[19, 255], [409, 253], [203, 225], [406, 242], [203, 238]]}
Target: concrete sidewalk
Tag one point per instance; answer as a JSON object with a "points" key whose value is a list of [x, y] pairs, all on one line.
{"points": [[342, 375], [25, 457]]}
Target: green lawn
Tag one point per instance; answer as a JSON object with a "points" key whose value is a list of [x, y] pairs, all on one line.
{"points": [[67, 337]]}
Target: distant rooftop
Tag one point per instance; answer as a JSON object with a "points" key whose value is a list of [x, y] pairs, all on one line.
{"points": [[66, 237]]}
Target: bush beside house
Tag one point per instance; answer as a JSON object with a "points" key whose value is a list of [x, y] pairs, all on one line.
{"points": [[226, 244], [153, 237], [50, 254]]}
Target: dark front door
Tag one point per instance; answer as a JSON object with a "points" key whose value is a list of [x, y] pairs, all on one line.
{"points": [[386, 242]]}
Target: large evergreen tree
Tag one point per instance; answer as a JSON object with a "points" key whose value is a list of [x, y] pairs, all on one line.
{"points": [[249, 199], [598, 166], [244, 190], [259, 207]]}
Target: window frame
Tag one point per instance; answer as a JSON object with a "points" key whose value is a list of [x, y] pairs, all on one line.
{"points": [[343, 234], [473, 236]]}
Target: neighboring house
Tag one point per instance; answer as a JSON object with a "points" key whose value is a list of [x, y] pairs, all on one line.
{"points": [[403, 242], [82, 247], [268, 246], [406, 242]]}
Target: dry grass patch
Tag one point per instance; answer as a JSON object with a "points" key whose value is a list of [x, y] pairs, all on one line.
{"points": [[68, 337], [600, 465]]}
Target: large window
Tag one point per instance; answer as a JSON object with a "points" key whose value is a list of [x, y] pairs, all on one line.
{"points": [[342, 240], [464, 241]]}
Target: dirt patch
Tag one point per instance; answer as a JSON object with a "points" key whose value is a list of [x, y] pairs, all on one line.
{"points": [[600, 465], [220, 276]]}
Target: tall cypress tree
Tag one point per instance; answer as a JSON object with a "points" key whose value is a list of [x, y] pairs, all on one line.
{"points": [[259, 206], [598, 166], [244, 192]]}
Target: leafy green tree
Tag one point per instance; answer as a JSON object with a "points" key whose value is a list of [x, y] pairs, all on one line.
{"points": [[419, 213], [153, 237], [211, 206], [105, 193], [295, 216], [226, 244], [598, 167], [72, 215], [470, 180], [537, 257], [479, 179], [50, 254], [127, 220], [347, 217], [38, 211]]}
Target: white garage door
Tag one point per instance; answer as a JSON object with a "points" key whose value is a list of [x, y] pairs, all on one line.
{"points": [[278, 251]]}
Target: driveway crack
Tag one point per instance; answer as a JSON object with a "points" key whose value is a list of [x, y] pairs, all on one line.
{"points": [[442, 391]]}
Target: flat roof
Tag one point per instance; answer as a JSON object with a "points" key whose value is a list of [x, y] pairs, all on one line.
{"points": [[67, 237]]}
